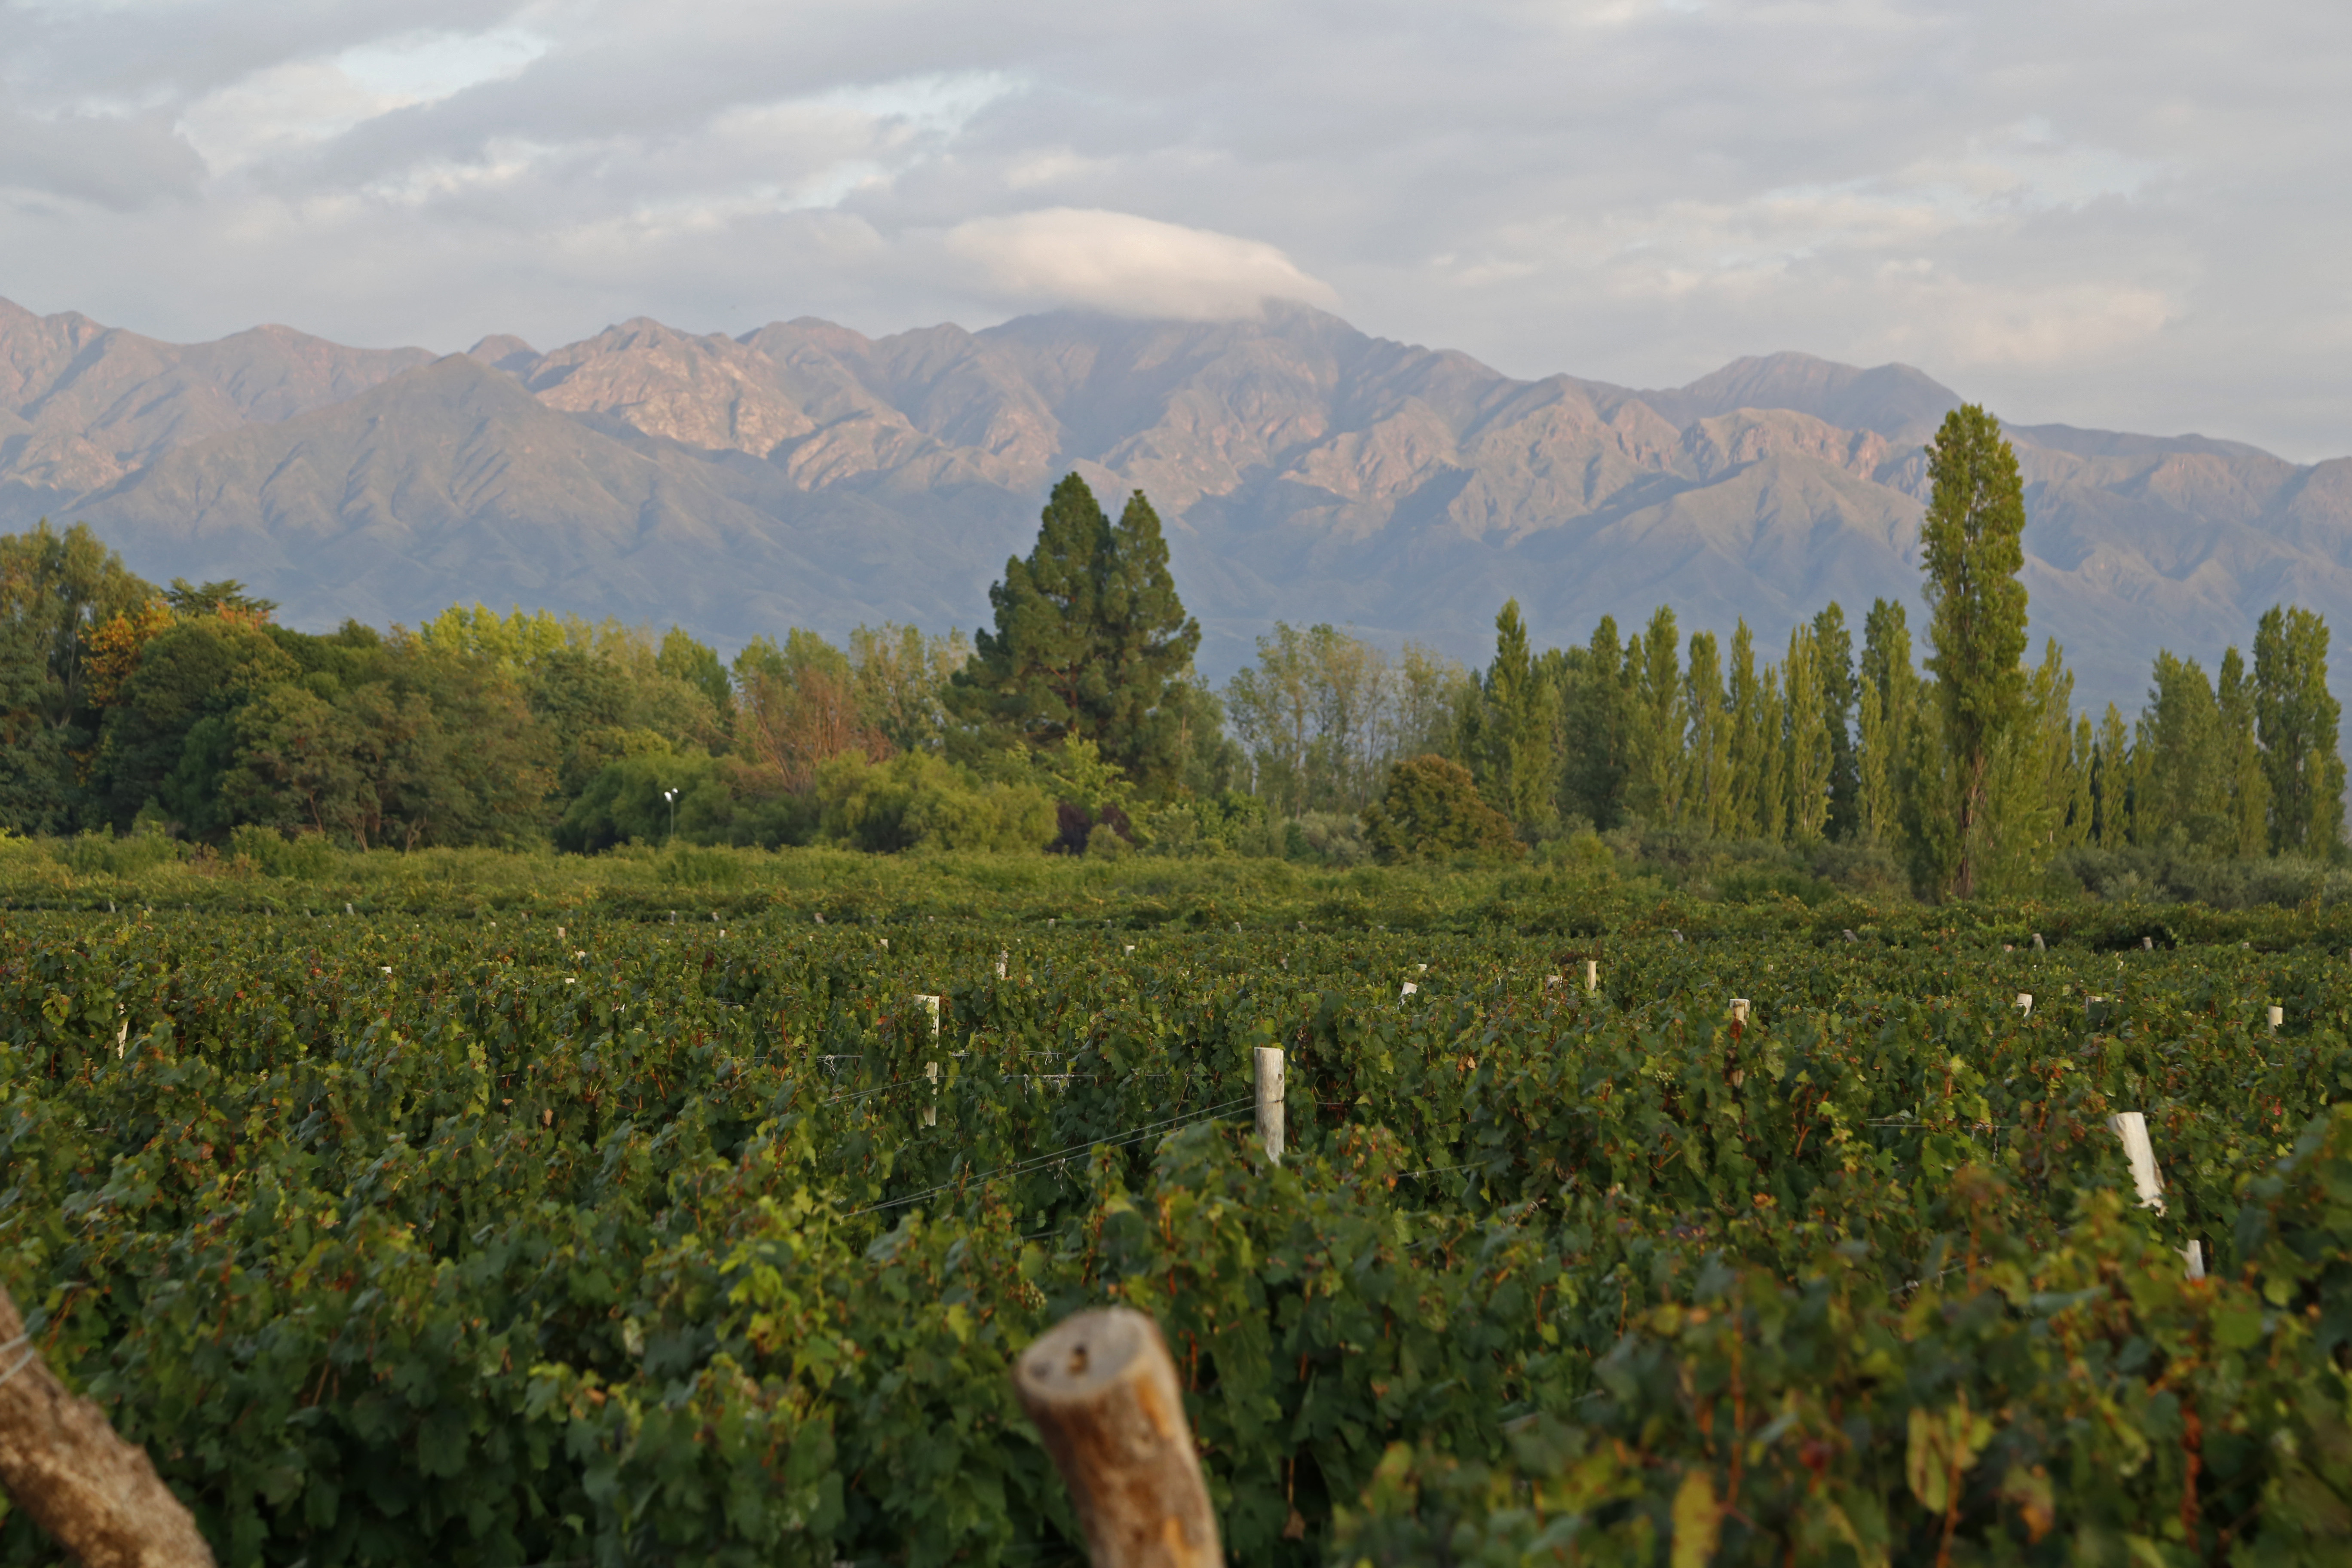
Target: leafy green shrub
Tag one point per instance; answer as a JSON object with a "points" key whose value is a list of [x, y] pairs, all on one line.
{"points": [[1431, 810], [99, 852], [917, 801], [626, 800], [303, 856]]}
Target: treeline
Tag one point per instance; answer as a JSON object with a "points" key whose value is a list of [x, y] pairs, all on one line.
{"points": [[189, 712], [1974, 771], [1074, 723]]}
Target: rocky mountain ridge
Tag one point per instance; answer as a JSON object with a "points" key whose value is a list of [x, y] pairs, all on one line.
{"points": [[805, 474]]}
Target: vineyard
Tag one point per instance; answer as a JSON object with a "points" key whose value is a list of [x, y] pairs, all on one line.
{"points": [[506, 1239]]}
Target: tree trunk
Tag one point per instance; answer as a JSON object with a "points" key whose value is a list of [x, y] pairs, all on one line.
{"points": [[1104, 1395], [98, 1496]]}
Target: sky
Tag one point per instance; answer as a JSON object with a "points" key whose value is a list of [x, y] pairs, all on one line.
{"points": [[2122, 213]]}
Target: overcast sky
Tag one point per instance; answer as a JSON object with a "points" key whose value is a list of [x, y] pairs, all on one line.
{"points": [[2134, 214]]}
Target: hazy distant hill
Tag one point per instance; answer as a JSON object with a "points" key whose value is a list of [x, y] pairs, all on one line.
{"points": [[806, 473]]}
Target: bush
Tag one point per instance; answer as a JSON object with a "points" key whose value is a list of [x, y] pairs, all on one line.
{"points": [[101, 853], [303, 856], [1431, 811], [625, 801], [917, 801]]}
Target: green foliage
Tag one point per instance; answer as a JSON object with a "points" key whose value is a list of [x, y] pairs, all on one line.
{"points": [[630, 801], [1090, 640], [1972, 549], [1432, 810], [918, 801], [448, 1240], [1322, 714], [2298, 719]]}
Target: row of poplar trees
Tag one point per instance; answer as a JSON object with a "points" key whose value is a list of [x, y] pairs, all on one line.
{"points": [[1973, 771]]}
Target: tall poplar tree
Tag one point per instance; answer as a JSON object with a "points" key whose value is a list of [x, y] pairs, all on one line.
{"points": [[1833, 649], [1972, 547], [1594, 712], [1661, 714], [1890, 721], [2297, 719], [2241, 757], [1518, 768], [1707, 794], [1752, 747], [1772, 762], [1810, 756], [1090, 640]]}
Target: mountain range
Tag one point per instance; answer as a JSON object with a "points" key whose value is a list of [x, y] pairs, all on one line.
{"points": [[806, 475]]}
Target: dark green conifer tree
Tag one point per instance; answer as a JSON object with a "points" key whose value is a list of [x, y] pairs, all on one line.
{"points": [[1090, 641]]}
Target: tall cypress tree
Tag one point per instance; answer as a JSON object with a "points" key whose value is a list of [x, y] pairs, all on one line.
{"points": [[1090, 640]]}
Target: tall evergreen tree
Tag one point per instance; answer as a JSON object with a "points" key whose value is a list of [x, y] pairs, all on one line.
{"points": [[1090, 640], [2296, 718], [1973, 550]]}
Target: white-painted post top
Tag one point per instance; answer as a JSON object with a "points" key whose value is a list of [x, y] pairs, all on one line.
{"points": [[1739, 1009], [2025, 1003], [2131, 1126]]}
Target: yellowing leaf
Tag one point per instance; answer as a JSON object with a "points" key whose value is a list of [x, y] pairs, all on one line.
{"points": [[1699, 1520]]}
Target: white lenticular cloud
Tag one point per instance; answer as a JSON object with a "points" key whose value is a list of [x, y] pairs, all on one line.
{"points": [[1130, 265]]}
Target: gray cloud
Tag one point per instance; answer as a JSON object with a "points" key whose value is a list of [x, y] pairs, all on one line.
{"points": [[2115, 217]]}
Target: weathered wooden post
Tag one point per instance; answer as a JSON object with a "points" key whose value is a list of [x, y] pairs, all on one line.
{"points": [[98, 1496], [2025, 1003], [2278, 1017], [1591, 975], [1269, 1101], [1103, 1394]]}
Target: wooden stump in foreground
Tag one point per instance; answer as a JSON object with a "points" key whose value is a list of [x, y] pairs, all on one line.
{"points": [[1104, 1395], [96, 1495]]}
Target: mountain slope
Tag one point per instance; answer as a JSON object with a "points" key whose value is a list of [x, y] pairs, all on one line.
{"points": [[806, 473]]}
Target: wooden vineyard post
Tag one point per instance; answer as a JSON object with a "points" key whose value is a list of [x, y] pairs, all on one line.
{"points": [[1269, 1101], [2025, 1003], [1103, 1394], [931, 1069], [1591, 975], [2131, 1126], [98, 1496], [2277, 1016], [1739, 1075]]}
